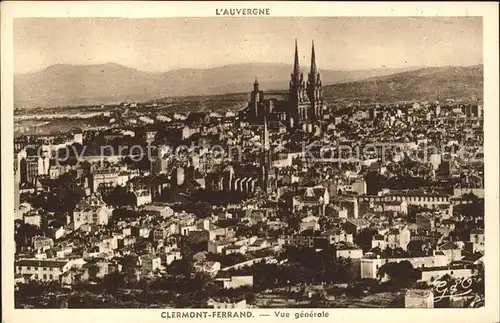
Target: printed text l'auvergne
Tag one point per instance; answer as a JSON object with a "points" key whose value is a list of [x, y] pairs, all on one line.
{"points": [[243, 12]]}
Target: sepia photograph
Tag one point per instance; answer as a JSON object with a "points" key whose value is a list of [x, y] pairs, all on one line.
{"points": [[249, 163]]}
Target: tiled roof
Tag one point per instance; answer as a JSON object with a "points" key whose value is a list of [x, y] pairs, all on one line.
{"points": [[448, 246]]}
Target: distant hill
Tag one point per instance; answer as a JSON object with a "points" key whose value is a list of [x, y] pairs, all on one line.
{"points": [[66, 85], [421, 84]]}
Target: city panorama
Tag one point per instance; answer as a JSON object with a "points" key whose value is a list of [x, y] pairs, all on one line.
{"points": [[295, 163]]}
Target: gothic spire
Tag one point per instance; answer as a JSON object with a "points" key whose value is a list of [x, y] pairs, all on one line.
{"points": [[266, 135], [313, 62], [296, 68]]}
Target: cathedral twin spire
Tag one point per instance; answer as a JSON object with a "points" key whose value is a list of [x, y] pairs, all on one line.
{"points": [[313, 62], [296, 82], [304, 102], [314, 77], [296, 66]]}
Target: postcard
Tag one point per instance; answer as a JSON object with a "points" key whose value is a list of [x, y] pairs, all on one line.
{"points": [[250, 161]]}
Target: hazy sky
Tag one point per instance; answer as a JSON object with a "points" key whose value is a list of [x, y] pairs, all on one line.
{"points": [[171, 43]]}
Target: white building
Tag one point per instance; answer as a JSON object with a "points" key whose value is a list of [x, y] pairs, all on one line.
{"points": [[91, 214], [477, 239], [419, 298], [217, 246], [143, 197], [236, 281], [150, 263], [208, 267], [432, 273], [353, 253], [226, 304], [33, 219], [42, 269], [370, 265], [78, 138]]}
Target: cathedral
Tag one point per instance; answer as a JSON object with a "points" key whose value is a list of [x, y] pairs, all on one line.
{"points": [[302, 108], [246, 178], [304, 104]]}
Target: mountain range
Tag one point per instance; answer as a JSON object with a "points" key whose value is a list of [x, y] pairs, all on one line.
{"points": [[67, 85], [426, 84]]}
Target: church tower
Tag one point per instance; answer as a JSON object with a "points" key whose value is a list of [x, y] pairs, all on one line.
{"points": [[314, 89], [295, 78], [266, 145], [267, 174], [298, 99], [256, 102]]}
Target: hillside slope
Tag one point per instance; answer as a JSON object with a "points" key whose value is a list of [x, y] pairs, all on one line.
{"points": [[421, 84], [64, 85]]}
